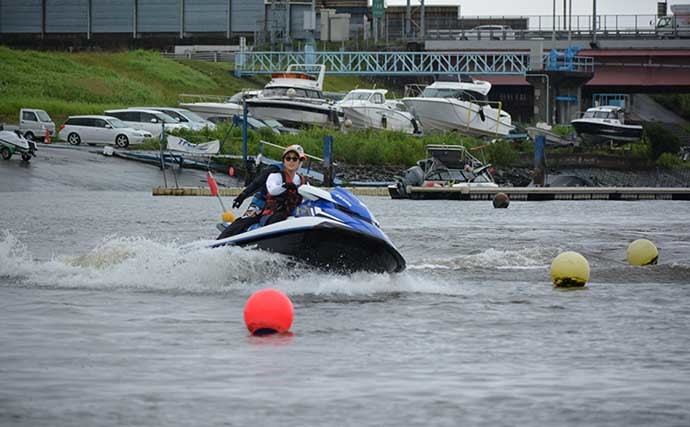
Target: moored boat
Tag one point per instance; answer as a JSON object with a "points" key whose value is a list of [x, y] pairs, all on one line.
{"points": [[460, 104], [450, 166], [369, 109], [295, 98], [605, 124]]}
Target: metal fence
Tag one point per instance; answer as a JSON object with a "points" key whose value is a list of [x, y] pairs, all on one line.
{"points": [[407, 63]]}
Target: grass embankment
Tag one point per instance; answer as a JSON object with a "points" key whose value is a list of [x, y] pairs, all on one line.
{"points": [[67, 84]]}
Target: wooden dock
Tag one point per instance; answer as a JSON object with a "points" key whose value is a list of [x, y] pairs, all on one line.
{"points": [[549, 193]]}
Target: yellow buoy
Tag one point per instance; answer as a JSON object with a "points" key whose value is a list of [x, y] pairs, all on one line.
{"points": [[642, 252], [228, 216], [569, 269]]}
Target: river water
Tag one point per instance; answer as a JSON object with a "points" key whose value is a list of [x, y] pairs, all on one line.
{"points": [[114, 313]]}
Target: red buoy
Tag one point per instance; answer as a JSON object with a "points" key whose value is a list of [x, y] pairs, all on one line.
{"points": [[268, 311], [231, 171]]}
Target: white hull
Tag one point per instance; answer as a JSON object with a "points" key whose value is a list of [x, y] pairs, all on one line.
{"points": [[213, 109], [464, 117], [379, 117], [295, 112]]}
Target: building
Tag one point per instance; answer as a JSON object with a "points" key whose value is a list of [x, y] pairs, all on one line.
{"points": [[152, 23]]}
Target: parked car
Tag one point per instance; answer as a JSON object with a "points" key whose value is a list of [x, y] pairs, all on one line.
{"points": [[100, 130], [488, 32], [256, 124], [192, 119], [148, 120], [33, 124]]}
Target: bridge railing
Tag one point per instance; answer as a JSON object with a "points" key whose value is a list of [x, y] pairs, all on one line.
{"points": [[404, 63], [529, 26]]}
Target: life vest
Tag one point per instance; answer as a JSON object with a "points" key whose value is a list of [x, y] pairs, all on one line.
{"points": [[284, 202]]}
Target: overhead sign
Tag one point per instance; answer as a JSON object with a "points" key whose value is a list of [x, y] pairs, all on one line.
{"points": [[377, 8]]}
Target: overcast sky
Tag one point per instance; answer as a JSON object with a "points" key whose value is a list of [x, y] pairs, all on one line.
{"points": [[545, 7]]}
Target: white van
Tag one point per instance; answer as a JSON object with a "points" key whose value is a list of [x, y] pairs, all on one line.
{"points": [[148, 120], [100, 130], [33, 124]]}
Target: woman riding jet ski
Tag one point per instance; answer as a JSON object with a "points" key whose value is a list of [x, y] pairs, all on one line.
{"points": [[330, 230]]}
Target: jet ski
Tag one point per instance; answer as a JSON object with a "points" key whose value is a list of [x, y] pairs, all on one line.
{"points": [[14, 142], [333, 231]]}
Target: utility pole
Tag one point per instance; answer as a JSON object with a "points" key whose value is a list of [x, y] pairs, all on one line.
{"points": [[407, 21], [553, 26], [594, 24]]}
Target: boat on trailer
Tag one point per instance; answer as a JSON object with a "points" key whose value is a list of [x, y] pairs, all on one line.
{"points": [[607, 124], [447, 166], [458, 103], [369, 109], [295, 97]]}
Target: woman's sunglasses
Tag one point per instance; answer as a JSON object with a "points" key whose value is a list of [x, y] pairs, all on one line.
{"points": [[291, 158]]}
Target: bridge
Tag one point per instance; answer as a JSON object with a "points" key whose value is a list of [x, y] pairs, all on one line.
{"points": [[408, 63]]}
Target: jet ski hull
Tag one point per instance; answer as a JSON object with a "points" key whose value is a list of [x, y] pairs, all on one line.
{"points": [[330, 247], [337, 250]]}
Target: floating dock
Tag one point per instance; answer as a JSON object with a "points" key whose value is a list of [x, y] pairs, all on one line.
{"points": [[234, 191], [539, 194]]}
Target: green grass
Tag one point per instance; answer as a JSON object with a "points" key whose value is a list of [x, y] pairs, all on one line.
{"points": [[361, 147]]}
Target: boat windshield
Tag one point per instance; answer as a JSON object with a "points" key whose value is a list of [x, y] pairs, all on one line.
{"points": [[588, 115], [357, 96], [463, 95], [299, 93], [117, 123]]}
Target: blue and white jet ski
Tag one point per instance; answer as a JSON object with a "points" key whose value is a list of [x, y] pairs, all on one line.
{"points": [[333, 230]]}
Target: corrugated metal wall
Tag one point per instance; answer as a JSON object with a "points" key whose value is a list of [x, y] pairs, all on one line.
{"points": [[159, 16], [112, 16], [297, 21], [206, 16], [67, 16], [117, 16], [20, 16], [246, 15]]}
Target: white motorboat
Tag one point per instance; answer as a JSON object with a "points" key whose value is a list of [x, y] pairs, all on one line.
{"points": [[208, 106], [460, 104], [368, 108], [295, 98], [606, 123]]}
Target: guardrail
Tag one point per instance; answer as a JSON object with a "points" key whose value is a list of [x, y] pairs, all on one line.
{"points": [[202, 56]]}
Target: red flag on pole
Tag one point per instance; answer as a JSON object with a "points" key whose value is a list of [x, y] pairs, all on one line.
{"points": [[212, 184]]}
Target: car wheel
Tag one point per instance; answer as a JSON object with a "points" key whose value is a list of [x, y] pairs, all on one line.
{"points": [[74, 139], [26, 157], [122, 141], [6, 153], [29, 136]]}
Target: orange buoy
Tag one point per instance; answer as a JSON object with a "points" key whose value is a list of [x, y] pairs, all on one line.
{"points": [[268, 311]]}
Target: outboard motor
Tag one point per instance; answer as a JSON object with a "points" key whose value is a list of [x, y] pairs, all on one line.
{"points": [[413, 176]]}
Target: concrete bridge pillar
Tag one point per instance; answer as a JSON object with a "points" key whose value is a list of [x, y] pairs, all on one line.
{"points": [[557, 94]]}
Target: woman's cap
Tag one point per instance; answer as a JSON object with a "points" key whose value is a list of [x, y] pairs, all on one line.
{"points": [[295, 148]]}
